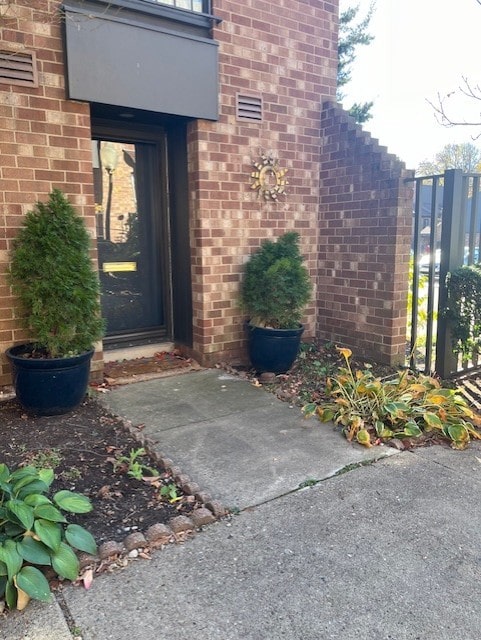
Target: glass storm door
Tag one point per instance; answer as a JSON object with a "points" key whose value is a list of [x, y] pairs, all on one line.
{"points": [[131, 239]]}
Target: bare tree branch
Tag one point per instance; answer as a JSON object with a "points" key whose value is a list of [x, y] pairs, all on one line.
{"points": [[440, 108]]}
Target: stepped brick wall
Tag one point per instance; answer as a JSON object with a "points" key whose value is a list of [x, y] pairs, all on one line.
{"points": [[365, 229]]}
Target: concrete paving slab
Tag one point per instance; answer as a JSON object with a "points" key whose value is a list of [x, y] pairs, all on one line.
{"points": [[386, 551], [184, 399], [467, 462], [39, 621], [253, 448]]}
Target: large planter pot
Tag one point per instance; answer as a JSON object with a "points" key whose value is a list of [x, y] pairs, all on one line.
{"points": [[273, 350], [49, 386]]}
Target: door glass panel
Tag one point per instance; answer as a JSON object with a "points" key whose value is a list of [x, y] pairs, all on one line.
{"points": [[128, 236]]}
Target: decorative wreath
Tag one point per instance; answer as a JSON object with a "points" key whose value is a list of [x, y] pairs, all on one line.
{"points": [[269, 178]]}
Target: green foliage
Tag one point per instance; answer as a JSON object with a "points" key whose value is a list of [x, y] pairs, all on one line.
{"points": [[48, 458], [308, 482], [276, 285], [361, 112], [407, 405], [52, 274], [171, 492], [136, 469], [35, 531], [133, 466], [422, 313], [463, 309], [352, 34]]}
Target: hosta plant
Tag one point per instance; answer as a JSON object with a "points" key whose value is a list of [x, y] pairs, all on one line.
{"points": [[34, 532], [371, 410]]}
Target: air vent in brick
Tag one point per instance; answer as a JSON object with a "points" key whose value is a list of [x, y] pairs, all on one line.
{"points": [[249, 108], [18, 67]]}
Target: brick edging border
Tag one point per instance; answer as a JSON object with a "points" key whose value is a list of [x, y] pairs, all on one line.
{"points": [[158, 535]]}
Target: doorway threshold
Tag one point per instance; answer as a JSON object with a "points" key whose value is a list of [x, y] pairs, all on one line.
{"points": [[147, 362], [141, 351]]}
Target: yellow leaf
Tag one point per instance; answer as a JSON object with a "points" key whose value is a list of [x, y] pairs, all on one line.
{"points": [[345, 352], [364, 438], [435, 399], [417, 388], [476, 418], [473, 433], [22, 599]]}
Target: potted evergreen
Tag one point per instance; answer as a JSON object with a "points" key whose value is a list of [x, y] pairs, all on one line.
{"points": [[275, 289], [52, 275]]}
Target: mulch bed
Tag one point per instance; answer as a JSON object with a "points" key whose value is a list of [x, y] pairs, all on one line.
{"points": [[82, 448]]}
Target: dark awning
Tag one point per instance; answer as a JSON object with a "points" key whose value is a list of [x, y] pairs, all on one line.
{"points": [[114, 58]]}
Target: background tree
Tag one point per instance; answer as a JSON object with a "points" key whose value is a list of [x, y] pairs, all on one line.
{"points": [[465, 156], [352, 34]]}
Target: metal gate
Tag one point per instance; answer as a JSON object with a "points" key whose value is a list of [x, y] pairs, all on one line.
{"points": [[446, 235]]}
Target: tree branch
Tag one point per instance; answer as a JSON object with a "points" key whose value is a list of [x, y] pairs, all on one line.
{"points": [[470, 91]]}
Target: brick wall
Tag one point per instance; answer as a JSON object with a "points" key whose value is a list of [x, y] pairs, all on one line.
{"points": [[365, 222], [44, 143], [288, 57], [346, 195], [285, 56]]}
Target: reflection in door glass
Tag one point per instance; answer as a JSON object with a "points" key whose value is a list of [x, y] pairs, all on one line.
{"points": [[127, 255]]}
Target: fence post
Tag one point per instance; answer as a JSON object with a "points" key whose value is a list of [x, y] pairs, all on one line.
{"points": [[452, 248]]}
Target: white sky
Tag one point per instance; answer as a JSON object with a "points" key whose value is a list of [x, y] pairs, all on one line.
{"points": [[421, 47]]}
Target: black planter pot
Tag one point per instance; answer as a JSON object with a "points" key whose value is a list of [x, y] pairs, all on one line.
{"points": [[273, 350], [49, 386]]}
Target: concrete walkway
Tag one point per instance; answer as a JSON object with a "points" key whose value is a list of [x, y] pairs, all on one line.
{"points": [[239, 443], [387, 551]]}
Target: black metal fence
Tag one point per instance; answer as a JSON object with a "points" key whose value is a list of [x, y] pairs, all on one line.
{"points": [[446, 235]]}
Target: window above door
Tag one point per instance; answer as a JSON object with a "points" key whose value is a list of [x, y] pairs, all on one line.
{"points": [[199, 6], [176, 14]]}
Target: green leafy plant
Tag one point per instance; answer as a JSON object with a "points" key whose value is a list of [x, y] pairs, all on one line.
{"points": [[52, 275], [371, 410], [171, 492], [276, 285], [133, 466], [34, 532], [423, 318], [48, 458], [463, 309]]}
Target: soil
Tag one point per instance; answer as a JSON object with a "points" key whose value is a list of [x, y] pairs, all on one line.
{"points": [[84, 448]]}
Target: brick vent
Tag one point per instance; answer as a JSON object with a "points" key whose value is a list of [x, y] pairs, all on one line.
{"points": [[19, 68], [248, 108]]}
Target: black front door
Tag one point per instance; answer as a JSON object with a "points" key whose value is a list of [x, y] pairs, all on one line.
{"points": [[133, 242]]}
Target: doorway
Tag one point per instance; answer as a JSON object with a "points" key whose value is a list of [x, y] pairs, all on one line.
{"points": [[130, 185]]}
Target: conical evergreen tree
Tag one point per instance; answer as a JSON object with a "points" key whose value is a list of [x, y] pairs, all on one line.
{"points": [[53, 276]]}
